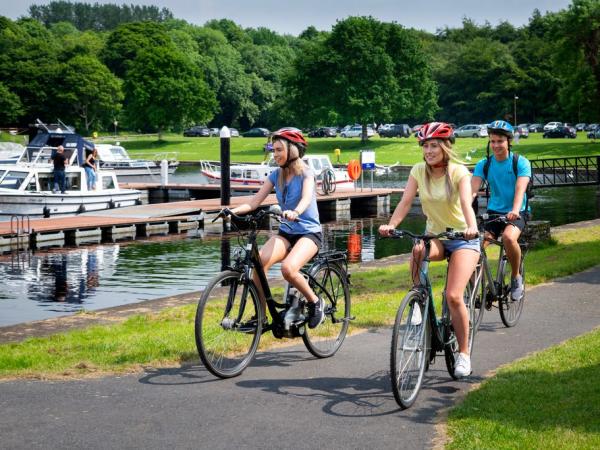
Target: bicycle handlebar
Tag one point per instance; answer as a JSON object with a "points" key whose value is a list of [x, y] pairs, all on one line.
{"points": [[273, 210], [450, 234]]}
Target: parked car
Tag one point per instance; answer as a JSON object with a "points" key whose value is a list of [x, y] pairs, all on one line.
{"points": [[580, 126], [323, 132], [536, 128], [234, 132], [561, 132], [256, 132], [523, 131], [594, 134], [524, 125], [552, 125], [471, 130], [356, 131], [591, 126], [417, 128], [197, 131], [395, 130]]}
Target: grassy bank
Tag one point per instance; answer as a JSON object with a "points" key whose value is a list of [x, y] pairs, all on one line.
{"points": [[388, 151], [550, 400], [166, 338]]}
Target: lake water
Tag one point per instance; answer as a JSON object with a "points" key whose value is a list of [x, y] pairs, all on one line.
{"points": [[59, 282]]}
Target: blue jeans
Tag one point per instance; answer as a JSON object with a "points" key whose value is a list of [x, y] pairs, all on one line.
{"points": [[91, 177], [60, 180]]}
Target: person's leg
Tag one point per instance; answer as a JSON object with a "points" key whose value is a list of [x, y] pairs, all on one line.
{"points": [[300, 254], [56, 185], [62, 179], [510, 238], [460, 268], [271, 253]]}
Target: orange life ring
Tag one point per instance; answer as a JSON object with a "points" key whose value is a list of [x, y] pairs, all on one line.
{"points": [[354, 169]]}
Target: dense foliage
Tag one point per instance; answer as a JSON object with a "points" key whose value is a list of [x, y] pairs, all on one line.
{"points": [[93, 64]]}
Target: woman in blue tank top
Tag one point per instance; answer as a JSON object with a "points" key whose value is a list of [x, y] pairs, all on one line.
{"points": [[299, 237]]}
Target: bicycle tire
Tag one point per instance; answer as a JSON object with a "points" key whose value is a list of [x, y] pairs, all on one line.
{"points": [[409, 352], [226, 346], [329, 282], [451, 349], [510, 311]]}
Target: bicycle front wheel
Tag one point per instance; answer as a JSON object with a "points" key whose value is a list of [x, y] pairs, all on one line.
{"points": [[329, 282], [227, 324], [510, 310], [410, 349]]}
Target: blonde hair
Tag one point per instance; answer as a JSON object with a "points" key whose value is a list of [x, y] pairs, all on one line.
{"points": [[296, 167], [449, 157]]}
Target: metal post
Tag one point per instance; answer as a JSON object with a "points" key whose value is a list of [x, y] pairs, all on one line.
{"points": [[515, 111], [225, 166], [164, 172], [225, 136]]}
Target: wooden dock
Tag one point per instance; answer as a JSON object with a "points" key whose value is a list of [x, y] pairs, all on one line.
{"points": [[163, 218]]}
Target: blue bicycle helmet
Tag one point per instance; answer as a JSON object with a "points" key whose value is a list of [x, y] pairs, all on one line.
{"points": [[501, 127]]}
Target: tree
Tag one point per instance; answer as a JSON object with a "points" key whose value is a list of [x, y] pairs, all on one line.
{"points": [[165, 89], [29, 67], [580, 28], [480, 83], [10, 106], [93, 95], [124, 44], [365, 71]]}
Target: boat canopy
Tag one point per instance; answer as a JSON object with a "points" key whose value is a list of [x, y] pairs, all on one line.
{"points": [[73, 143]]}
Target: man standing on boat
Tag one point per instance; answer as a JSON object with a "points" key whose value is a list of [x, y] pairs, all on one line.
{"points": [[60, 162]]}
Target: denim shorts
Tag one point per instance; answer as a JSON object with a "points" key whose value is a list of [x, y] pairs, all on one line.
{"points": [[451, 245]]}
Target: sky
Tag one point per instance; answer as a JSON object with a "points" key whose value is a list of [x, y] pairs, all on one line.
{"points": [[292, 17]]}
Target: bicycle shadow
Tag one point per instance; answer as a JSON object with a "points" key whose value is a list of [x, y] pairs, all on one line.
{"points": [[196, 373], [369, 396]]}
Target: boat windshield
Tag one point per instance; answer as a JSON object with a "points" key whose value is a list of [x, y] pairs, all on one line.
{"points": [[12, 179], [118, 153]]}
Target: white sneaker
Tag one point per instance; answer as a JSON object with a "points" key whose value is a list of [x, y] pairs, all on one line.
{"points": [[516, 288], [416, 317], [462, 368]]}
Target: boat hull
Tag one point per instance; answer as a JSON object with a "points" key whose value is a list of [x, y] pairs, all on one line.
{"points": [[45, 204]]}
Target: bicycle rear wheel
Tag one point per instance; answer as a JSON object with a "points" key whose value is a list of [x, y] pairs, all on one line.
{"points": [[227, 322], [451, 348], [410, 349], [510, 310], [330, 283]]}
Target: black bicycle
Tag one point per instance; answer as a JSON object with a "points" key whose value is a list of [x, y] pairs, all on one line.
{"points": [[229, 318], [419, 335], [495, 292]]}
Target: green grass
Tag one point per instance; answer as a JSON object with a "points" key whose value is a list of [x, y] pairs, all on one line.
{"points": [[388, 151], [550, 400], [167, 338]]}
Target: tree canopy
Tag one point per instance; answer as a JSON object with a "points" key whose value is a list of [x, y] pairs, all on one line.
{"points": [[91, 64]]}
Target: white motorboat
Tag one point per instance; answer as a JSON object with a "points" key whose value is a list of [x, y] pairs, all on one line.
{"points": [[26, 187], [116, 158], [255, 174]]}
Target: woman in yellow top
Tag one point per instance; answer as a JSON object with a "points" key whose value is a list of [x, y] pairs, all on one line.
{"points": [[444, 189]]}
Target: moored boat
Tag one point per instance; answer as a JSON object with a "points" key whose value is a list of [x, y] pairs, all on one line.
{"points": [[116, 158], [255, 174]]}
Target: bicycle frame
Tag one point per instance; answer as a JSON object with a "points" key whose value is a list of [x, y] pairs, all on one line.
{"points": [[251, 262], [424, 287], [484, 269]]}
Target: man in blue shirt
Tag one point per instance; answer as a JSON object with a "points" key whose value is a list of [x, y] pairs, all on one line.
{"points": [[507, 194]]}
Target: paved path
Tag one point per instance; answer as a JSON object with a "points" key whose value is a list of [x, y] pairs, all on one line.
{"points": [[286, 398]]}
